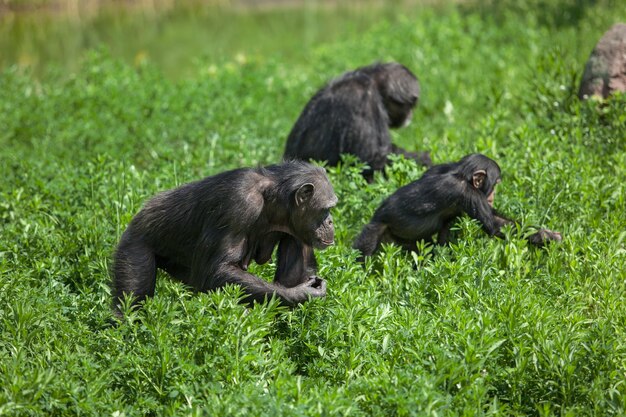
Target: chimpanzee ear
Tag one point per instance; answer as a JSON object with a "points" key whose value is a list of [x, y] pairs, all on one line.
{"points": [[478, 178], [304, 193]]}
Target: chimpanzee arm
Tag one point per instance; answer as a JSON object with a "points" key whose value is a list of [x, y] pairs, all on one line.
{"points": [[540, 238], [444, 232], [215, 265], [296, 262], [260, 290], [501, 220], [475, 204]]}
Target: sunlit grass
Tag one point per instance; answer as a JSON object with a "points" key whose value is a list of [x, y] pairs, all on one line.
{"points": [[483, 326]]}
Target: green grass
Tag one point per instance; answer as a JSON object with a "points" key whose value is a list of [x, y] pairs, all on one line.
{"points": [[482, 327]]}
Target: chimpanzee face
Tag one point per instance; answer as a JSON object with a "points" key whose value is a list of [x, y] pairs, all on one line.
{"points": [[323, 229], [492, 195], [399, 113], [311, 220]]}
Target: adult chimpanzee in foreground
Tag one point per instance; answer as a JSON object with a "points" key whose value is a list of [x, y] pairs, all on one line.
{"points": [[431, 204], [353, 114], [207, 232]]}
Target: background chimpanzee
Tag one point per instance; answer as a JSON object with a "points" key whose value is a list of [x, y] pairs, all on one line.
{"points": [[207, 232], [353, 113], [431, 204]]}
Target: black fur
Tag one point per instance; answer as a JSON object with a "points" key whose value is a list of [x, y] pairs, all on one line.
{"points": [[353, 114], [431, 204], [207, 232]]}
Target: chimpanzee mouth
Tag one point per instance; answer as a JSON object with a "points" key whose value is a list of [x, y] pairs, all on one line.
{"points": [[326, 243]]}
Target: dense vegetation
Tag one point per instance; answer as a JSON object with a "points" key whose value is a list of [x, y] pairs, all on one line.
{"points": [[484, 326]]}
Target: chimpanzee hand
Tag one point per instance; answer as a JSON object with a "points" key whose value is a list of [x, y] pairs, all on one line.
{"points": [[313, 287], [543, 236], [319, 283]]}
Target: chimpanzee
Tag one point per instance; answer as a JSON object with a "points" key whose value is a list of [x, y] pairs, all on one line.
{"points": [[207, 232], [353, 113], [432, 203]]}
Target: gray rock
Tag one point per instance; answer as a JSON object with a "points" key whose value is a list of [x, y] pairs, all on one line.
{"points": [[605, 71]]}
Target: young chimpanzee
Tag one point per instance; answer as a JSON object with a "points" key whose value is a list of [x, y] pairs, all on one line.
{"points": [[353, 113], [431, 204], [207, 232]]}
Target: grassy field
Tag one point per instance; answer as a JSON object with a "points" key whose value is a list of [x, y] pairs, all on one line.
{"points": [[482, 327]]}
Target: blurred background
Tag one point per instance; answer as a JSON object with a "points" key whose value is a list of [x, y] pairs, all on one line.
{"points": [[176, 34]]}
